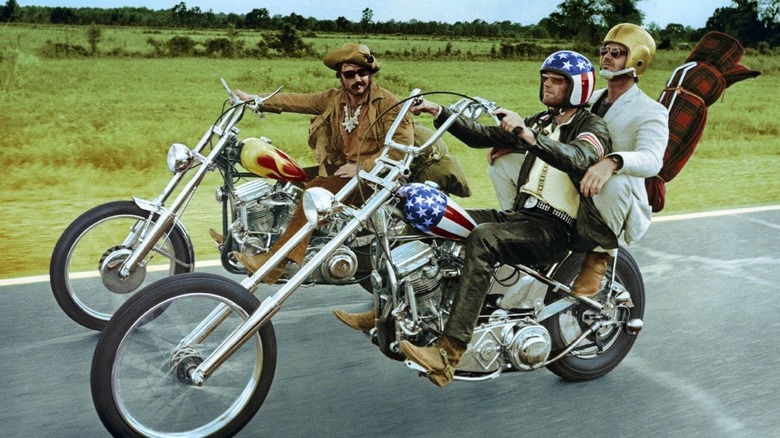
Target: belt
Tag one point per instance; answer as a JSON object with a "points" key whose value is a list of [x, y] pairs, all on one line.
{"points": [[533, 202]]}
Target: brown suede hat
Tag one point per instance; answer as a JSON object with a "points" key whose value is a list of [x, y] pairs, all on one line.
{"points": [[358, 54]]}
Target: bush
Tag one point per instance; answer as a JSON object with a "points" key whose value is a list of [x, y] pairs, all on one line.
{"points": [[94, 35], [219, 47], [521, 51], [62, 50], [180, 46]]}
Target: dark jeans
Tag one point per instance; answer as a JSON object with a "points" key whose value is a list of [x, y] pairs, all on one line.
{"points": [[517, 237]]}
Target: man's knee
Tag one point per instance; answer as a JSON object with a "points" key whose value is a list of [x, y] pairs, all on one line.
{"points": [[615, 196], [479, 237], [617, 186]]}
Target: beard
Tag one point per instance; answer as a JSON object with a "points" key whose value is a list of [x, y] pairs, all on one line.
{"points": [[357, 88]]}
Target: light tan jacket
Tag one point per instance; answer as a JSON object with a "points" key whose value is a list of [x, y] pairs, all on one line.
{"points": [[325, 129]]}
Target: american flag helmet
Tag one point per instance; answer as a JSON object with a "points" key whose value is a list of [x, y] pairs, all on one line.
{"points": [[432, 212], [578, 69]]}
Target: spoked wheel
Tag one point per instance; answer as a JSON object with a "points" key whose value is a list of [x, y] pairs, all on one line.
{"points": [[603, 350], [140, 378], [86, 262]]}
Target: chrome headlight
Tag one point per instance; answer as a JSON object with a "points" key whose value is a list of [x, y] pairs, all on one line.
{"points": [[180, 158], [318, 203]]}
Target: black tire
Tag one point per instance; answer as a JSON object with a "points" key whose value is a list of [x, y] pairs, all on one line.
{"points": [[138, 379], [93, 242], [615, 343]]}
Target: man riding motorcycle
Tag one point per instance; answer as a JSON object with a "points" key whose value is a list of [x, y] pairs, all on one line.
{"points": [[549, 214]]}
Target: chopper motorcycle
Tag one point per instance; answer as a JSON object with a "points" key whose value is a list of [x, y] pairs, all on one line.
{"points": [[195, 354], [113, 250]]}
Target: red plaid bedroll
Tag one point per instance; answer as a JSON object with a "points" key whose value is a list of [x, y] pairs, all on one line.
{"points": [[711, 67]]}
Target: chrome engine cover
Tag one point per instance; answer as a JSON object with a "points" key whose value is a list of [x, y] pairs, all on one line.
{"points": [[503, 343], [339, 268], [527, 345], [484, 354]]}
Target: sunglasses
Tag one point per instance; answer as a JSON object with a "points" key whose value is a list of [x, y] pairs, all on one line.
{"points": [[613, 52], [352, 73], [555, 80]]}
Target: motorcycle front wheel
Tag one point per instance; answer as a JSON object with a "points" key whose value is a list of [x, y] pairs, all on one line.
{"points": [[602, 351], [139, 380], [85, 263]]}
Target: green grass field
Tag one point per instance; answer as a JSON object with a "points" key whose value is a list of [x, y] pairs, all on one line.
{"points": [[80, 132]]}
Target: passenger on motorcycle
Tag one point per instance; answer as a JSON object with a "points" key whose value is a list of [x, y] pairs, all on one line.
{"points": [[549, 215], [347, 134], [638, 127]]}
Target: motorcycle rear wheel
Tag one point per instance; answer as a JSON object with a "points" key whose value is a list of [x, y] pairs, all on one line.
{"points": [[601, 352], [139, 382], [87, 257]]}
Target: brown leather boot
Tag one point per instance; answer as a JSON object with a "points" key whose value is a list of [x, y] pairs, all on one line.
{"points": [[253, 263], [359, 321], [216, 237], [439, 360], [588, 282]]}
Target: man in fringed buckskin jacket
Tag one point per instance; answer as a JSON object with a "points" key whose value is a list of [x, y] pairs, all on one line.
{"points": [[347, 134]]}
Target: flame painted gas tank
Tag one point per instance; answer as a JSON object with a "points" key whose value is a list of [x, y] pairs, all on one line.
{"points": [[262, 159], [432, 212]]}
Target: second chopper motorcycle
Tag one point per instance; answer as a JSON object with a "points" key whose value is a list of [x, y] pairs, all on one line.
{"points": [[115, 249], [195, 354]]}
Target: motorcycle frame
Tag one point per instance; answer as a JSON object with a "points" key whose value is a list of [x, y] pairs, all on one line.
{"points": [[386, 175], [227, 133]]}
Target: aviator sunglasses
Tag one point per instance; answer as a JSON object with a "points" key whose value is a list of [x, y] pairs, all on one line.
{"points": [[614, 52]]}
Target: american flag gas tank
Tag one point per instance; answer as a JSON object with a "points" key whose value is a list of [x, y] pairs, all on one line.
{"points": [[432, 212]]}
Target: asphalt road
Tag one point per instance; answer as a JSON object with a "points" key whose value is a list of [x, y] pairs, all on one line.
{"points": [[705, 365]]}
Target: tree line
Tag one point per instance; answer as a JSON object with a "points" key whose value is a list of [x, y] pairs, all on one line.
{"points": [[753, 22]]}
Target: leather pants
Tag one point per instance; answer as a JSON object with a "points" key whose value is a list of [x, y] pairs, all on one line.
{"points": [[525, 236]]}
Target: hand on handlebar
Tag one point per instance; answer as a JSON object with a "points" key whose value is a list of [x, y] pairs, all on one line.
{"points": [[424, 106], [255, 102], [510, 121]]}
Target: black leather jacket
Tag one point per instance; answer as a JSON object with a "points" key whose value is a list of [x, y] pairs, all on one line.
{"points": [[569, 155]]}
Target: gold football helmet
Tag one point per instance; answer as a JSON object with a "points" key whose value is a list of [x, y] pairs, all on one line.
{"points": [[638, 42]]}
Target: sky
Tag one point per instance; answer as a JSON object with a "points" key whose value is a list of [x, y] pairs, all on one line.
{"points": [[692, 13]]}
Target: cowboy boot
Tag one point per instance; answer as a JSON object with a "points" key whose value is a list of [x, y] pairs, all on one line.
{"points": [[253, 263], [588, 282], [364, 321], [439, 360], [216, 237]]}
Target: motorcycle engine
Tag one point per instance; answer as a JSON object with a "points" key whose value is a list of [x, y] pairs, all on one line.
{"points": [[263, 213], [416, 265], [432, 270], [528, 344], [338, 268], [519, 344]]}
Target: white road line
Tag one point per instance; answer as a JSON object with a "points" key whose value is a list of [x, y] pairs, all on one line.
{"points": [[208, 263], [45, 278], [705, 214]]}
